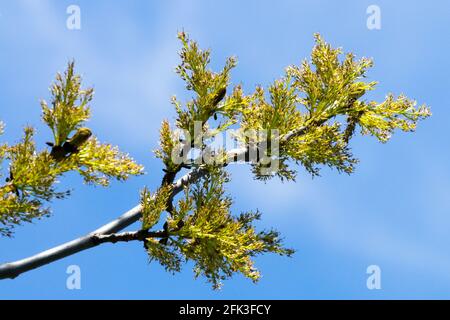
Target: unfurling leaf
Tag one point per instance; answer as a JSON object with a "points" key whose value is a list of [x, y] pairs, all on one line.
{"points": [[153, 205]]}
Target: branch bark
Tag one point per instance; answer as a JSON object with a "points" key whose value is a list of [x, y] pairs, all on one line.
{"points": [[14, 269], [140, 235], [107, 232]]}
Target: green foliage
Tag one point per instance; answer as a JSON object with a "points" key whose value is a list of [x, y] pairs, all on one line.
{"points": [[169, 145], [203, 230], [330, 86], [99, 163], [30, 172], [69, 107], [278, 113], [210, 90], [300, 115], [312, 96], [30, 183], [153, 205], [33, 174], [325, 145], [381, 119]]}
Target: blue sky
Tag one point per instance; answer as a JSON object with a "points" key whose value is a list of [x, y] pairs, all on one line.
{"points": [[394, 211]]}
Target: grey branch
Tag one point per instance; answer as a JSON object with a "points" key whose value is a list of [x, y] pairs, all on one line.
{"points": [[107, 232], [14, 269], [140, 235]]}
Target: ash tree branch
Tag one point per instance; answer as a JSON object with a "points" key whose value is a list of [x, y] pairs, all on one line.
{"points": [[106, 234]]}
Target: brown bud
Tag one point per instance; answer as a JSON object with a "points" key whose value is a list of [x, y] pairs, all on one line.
{"points": [[219, 96]]}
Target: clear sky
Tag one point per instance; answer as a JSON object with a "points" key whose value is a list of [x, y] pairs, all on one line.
{"points": [[394, 211]]}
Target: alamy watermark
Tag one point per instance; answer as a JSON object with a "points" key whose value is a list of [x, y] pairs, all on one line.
{"points": [[73, 21], [374, 19], [258, 147], [374, 279], [73, 281]]}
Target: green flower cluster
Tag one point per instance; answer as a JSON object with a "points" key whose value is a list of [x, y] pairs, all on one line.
{"points": [[33, 174], [315, 109]]}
